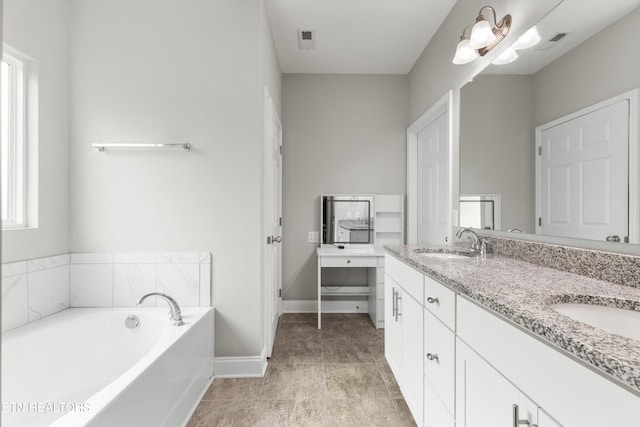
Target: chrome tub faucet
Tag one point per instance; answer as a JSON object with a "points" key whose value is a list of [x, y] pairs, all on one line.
{"points": [[175, 313]]}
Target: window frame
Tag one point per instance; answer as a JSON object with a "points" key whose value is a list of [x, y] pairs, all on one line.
{"points": [[16, 118]]}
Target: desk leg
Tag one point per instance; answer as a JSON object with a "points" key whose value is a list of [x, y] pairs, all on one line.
{"points": [[319, 295]]}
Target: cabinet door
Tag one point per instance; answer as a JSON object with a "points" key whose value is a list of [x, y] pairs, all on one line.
{"points": [[544, 420], [439, 358], [436, 413], [413, 351], [484, 398], [393, 327]]}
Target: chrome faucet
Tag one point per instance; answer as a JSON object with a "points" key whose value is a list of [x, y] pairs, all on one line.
{"points": [[476, 244], [176, 315]]}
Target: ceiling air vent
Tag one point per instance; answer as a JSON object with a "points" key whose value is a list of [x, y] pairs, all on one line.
{"points": [[306, 39], [553, 41]]}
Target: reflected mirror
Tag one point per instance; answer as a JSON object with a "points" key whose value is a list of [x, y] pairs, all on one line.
{"points": [[346, 219], [587, 54]]}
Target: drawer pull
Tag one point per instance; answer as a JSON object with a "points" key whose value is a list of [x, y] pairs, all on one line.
{"points": [[433, 357], [431, 300], [348, 261], [516, 418]]}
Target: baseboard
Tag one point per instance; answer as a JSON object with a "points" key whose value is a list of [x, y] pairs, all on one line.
{"points": [[311, 306], [241, 367]]}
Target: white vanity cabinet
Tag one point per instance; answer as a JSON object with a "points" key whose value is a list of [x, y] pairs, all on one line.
{"points": [[404, 293], [565, 392]]}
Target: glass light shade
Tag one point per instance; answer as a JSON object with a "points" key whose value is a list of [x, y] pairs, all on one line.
{"points": [[509, 55], [528, 39], [464, 53], [481, 35]]}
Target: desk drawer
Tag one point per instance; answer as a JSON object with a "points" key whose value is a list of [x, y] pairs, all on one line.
{"points": [[348, 261]]}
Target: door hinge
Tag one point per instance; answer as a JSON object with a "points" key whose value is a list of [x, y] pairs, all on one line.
{"points": [[540, 150], [280, 221], [280, 293], [281, 150], [540, 221]]}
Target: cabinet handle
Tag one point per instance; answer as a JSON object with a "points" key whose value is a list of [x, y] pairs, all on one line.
{"points": [[433, 357], [433, 300], [394, 303], [348, 261], [398, 297], [516, 417]]}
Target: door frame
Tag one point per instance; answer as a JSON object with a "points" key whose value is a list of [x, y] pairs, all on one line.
{"points": [[633, 96], [270, 113], [447, 104]]}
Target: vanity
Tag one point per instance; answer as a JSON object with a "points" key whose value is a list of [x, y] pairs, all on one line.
{"points": [[351, 257], [456, 323]]}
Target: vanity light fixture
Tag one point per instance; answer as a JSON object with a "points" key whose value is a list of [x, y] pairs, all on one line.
{"points": [[483, 37], [464, 53], [509, 55], [527, 40]]}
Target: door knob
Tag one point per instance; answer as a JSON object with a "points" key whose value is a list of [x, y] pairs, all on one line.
{"points": [[273, 239]]}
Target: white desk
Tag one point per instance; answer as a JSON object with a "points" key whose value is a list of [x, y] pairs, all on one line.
{"points": [[370, 258]]}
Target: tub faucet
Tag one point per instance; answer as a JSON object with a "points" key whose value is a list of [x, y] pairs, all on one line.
{"points": [[176, 315], [476, 244]]}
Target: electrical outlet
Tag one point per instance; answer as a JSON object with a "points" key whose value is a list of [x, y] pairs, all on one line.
{"points": [[313, 237]]}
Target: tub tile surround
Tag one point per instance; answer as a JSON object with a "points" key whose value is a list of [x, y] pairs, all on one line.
{"points": [[33, 289], [522, 292]]}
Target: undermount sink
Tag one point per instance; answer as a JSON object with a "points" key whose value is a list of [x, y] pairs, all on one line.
{"points": [[611, 319]]}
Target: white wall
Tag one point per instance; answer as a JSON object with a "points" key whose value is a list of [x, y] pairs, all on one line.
{"points": [[497, 144], [342, 134], [171, 71], [40, 29]]}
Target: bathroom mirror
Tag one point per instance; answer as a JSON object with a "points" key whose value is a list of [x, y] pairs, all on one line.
{"points": [[347, 219], [594, 59]]}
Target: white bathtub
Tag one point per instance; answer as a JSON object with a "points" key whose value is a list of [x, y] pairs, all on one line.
{"points": [[83, 366]]}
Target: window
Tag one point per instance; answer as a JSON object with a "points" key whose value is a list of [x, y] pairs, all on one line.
{"points": [[13, 133]]}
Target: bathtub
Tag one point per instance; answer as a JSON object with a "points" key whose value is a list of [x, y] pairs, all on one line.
{"points": [[84, 367]]}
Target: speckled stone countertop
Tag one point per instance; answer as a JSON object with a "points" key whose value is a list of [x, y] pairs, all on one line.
{"points": [[522, 292]]}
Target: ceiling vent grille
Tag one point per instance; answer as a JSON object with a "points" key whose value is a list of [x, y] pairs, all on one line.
{"points": [[306, 39], [552, 42]]}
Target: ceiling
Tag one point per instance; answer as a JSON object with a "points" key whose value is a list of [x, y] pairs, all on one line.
{"points": [[354, 36]]}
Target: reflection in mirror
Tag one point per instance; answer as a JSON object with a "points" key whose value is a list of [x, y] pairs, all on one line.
{"points": [[501, 108], [346, 219]]}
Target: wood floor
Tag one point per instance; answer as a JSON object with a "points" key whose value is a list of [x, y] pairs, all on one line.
{"points": [[336, 376]]}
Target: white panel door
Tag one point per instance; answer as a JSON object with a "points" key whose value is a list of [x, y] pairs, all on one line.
{"points": [[273, 208], [584, 172], [433, 182]]}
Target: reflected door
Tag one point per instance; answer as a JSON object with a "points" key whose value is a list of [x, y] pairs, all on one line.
{"points": [[433, 182], [584, 172]]}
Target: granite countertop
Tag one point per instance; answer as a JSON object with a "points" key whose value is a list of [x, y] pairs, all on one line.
{"points": [[522, 292]]}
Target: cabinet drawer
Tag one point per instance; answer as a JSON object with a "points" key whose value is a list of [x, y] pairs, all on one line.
{"points": [[440, 301], [439, 358], [348, 261], [435, 413], [411, 280]]}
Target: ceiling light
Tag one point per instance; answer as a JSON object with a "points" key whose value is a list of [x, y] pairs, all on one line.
{"points": [[509, 55], [483, 37], [528, 39], [464, 53]]}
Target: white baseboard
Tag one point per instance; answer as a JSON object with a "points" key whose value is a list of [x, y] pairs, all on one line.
{"points": [[241, 367], [311, 306]]}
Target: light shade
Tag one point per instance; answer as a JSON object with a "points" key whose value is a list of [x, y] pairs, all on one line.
{"points": [[509, 55], [528, 39], [481, 34], [464, 53]]}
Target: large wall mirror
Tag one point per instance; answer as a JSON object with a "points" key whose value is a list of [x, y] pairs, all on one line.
{"points": [[593, 58]]}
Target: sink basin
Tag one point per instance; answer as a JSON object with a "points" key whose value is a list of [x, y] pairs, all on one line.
{"points": [[615, 320], [444, 255]]}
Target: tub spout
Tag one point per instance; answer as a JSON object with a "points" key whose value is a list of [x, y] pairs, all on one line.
{"points": [[176, 315]]}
